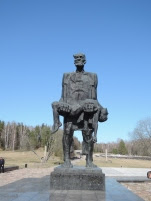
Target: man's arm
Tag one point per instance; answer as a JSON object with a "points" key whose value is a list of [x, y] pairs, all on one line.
{"points": [[62, 95], [64, 88], [94, 87], [63, 107]]}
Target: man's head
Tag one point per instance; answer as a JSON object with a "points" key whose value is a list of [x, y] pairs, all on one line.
{"points": [[149, 175], [79, 60]]}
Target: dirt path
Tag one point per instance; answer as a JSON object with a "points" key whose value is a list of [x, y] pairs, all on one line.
{"points": [[12, 176]]}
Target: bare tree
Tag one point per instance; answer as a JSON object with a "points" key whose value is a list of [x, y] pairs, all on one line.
{"points": [[141, 137], [13, 132], [7, 135]]}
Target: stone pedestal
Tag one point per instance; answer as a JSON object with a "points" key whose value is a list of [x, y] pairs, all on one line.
{"points": [[77, 178]]}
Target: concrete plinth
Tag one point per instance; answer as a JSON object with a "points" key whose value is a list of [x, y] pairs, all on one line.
{"points": [[77, 178]]}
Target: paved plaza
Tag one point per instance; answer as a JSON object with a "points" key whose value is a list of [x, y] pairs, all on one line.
{"points": [[34, 185]]}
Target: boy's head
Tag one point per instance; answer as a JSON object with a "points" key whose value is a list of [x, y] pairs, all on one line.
{"points": [[149, 175]]}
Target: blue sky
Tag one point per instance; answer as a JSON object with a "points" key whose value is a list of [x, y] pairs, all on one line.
{"points": [[38, 39]]}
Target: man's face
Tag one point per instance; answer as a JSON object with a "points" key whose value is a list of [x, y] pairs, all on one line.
{"points": [[79, 60]]}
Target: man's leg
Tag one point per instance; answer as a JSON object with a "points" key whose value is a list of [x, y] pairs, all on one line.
{"points": [[67, 141], [56, 120], [89, 145]]}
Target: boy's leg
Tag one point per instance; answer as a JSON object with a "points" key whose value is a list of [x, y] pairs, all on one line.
{"points": [[56, 120]]}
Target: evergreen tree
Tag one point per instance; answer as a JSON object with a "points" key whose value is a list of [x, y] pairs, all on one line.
{"points": [[115, 151], [122, 148]]}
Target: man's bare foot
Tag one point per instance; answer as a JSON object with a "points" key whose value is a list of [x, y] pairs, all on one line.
{"points": [[55, 127], [91, 165], [67, 164]]}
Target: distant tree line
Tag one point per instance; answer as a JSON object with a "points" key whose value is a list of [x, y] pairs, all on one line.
{"points": [[119, 147], [17, 136], [139, 143]]}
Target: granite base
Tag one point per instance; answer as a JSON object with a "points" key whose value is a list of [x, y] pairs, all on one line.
{"points": [[77, 178]]}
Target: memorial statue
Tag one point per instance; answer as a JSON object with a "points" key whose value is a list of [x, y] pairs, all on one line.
{"points": [[81, 110]]}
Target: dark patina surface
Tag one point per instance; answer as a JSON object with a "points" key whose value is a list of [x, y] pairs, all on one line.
{"points": [[81, 110]]}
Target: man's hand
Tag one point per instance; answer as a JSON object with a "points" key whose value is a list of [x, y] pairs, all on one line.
{"points": [[94, 139], [64, 109], [89, 107]]}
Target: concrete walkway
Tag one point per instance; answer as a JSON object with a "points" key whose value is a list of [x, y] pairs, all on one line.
{"points": [[33, 185], [125, 172]]}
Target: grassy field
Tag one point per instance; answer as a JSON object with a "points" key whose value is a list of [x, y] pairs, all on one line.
{"points": [[21, 158], [28, 157], [116, 162]]}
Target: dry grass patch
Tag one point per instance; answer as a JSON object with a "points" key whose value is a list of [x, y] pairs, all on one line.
{"points": [[116, 162], [21, 158]]}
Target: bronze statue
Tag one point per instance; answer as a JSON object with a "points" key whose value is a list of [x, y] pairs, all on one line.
{"points": [[81, 110]]}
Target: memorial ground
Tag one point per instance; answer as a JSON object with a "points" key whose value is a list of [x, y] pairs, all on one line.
{"points": [[33, 183]]}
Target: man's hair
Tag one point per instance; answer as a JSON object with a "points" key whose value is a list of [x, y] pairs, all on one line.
{"points": [[79, 54]]}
